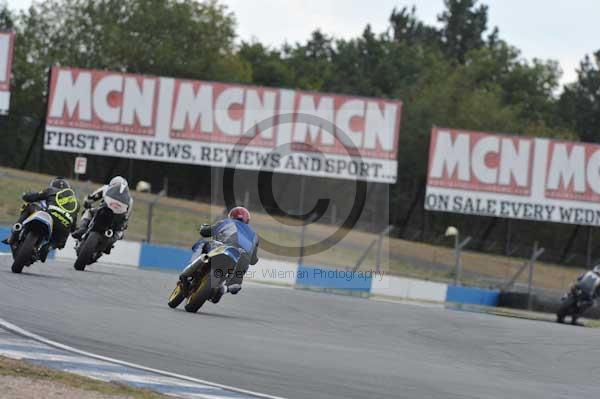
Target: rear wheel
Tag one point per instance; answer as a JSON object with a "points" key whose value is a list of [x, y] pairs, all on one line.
{"points": [[200, 295], [25, 252], [87, 250], [177, 296], [565, 309]]}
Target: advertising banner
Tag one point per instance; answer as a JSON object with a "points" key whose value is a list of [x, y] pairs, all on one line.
{"points": [[224, 125], [7, 40], [513, 177]]}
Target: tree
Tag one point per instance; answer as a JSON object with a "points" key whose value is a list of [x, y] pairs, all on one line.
{"points": [[310, 63], [187, 39], [579, 104], [7, 18], [463, 27], [268, 67], [408, 29]]}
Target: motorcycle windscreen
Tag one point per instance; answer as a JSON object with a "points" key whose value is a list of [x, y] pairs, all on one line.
{"points": [[117, 199]]}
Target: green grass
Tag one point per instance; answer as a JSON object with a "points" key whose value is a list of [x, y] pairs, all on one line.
{"points": [[19, 368], [175, 222]]}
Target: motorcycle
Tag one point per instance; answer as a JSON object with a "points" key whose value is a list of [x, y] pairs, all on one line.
{"points": [[579, 298], [99, 237], [212, 269], [34, 238]]}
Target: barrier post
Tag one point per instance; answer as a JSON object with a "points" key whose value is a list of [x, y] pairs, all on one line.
{"points": [[537, 252], [588, 252], [379, 244], [151, 215], [458, 246]]}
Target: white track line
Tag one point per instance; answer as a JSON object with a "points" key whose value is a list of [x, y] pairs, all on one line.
{"points": [[18, 330]]}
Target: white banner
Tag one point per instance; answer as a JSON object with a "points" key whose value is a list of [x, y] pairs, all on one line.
{"points": [[217, 124], [513, 177]]}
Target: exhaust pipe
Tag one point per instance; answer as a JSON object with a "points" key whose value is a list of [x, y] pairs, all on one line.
{"points": [[204, 258], [17, 227], [109, 233]]}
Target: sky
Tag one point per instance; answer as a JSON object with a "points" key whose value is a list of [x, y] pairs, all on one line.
{"points": [[564, 31]]}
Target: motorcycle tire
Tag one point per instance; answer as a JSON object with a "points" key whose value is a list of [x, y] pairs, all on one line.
{"points": [[24, 253], [200, 295], [86, 251], [565, 309], [177, 296]]}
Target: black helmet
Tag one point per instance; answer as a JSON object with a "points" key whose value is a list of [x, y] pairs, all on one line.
{"points": [[60, 183]]}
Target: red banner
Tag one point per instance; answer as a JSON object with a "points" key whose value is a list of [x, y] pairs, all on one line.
{"points": [[7, 40], [343, 136], [513, 176]]}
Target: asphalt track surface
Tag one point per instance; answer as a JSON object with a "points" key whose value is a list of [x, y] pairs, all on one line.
{"points": [[300, 344]]}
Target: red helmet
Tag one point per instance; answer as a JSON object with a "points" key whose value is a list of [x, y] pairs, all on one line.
{"points": [[240, 213]]}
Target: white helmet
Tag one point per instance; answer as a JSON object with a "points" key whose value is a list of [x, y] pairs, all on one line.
{"points": [[119, 181], [596, 269]]}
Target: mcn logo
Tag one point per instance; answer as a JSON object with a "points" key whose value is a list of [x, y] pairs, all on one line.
{"points": [[480, 161]]}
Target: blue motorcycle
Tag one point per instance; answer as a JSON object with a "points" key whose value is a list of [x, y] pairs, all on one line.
{"points": [[211, 269]]}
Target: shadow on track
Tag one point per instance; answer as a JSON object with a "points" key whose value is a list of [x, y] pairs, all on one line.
{"points": [[218, 316], [96, 272], [30, 274]]}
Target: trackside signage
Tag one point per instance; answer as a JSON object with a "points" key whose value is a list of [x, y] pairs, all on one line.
{"points": [[225, 125], [513, 177], [7, 40]]}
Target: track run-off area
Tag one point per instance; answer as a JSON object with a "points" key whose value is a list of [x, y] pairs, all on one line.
{"points": [[301, 344]]}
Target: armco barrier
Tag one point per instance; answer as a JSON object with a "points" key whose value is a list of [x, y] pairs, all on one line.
{"points": [[273, 271], [125, 253], [330, 279], [470, 295], [164, 257], [407, 288], [4, 232]]}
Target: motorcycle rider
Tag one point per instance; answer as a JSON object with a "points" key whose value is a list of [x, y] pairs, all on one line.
{"points": [[120, 223], [61, 203], [234, 230], [589, 283]]}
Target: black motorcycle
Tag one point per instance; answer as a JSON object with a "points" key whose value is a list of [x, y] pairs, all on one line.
{"points": [[212, 270], [580, 297], [99, 237]]}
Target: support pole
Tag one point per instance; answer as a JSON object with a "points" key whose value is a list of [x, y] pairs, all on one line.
{"points": [[508, 237], [589, 249], [303, 231], [537, 252], [151, 215], [458, 246], [379, 244]]}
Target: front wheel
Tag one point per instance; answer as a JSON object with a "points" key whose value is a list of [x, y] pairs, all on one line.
{"points": [[25, 252], [177, 296], [87, 250]]}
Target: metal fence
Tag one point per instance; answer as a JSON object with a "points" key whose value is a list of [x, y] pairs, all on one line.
{"points": [[175, 222]]}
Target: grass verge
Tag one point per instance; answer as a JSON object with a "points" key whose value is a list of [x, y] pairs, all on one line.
{"points": [[19, 368]]}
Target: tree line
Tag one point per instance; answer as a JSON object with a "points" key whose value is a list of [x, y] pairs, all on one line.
{"points": [[460, 74]]}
